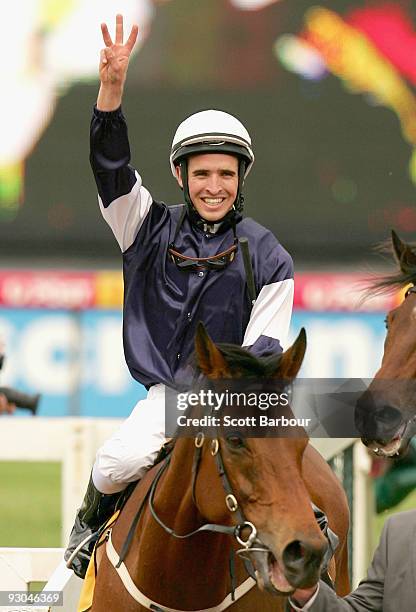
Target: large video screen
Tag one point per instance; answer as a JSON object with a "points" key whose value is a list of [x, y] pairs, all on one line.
{"points": [[326, 91]]}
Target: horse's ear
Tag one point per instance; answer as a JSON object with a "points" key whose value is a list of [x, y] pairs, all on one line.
{"points": [[404, 253], [292, 358], [398, 245], [210, 359]]}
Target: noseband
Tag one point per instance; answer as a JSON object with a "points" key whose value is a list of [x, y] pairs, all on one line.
{"points": [[411, 289], [230, 500], [247, 543], [117, 560]]}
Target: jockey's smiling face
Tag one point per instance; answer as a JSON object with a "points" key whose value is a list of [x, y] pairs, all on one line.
{"points": [[212, 183]]}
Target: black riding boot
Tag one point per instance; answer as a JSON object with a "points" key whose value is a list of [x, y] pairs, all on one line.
{"points": [[95, 511]]}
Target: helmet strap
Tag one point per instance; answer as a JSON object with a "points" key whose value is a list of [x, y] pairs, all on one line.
{"points": [[239, 200], [183, 165]]}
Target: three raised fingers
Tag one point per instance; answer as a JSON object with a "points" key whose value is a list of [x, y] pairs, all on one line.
{"points": [[119, 34]]}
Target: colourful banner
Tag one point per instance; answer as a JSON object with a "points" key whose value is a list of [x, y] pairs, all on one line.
{"points": [[46, 289], [324, 291]]}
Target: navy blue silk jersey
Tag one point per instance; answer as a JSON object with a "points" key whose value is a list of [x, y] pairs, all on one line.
{"points": [[163, 304]]}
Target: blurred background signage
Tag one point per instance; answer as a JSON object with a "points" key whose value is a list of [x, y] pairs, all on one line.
{"points": [[334, 171]]}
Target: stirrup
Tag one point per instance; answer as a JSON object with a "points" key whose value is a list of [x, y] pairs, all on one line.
{"points": [[75, 552]]}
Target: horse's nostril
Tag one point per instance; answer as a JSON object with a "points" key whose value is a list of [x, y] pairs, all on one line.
{"points": [[388, 415], [375, 418], [293, 553], [299, 554]]}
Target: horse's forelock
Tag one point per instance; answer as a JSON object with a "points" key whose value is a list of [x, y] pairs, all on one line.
{"points": [[241, 361]]}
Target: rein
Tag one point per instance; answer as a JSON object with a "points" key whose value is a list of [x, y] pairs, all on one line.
{"points": [[234, 530], [230, 501], [250, 544], [207, 527]]}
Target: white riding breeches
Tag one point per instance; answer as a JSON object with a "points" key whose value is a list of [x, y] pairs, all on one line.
{"points": [[132, 449]]}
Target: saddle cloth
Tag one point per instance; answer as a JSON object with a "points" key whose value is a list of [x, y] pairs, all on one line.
{"points": [[87, 592]]}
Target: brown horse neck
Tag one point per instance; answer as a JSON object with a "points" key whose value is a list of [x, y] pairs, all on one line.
{"points": [[173, 498]]}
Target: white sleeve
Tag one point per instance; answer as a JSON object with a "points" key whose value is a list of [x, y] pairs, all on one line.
{"points": [[271, 313], [125, 215]]}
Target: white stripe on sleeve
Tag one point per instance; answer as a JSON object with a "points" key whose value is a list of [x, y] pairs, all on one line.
{"points": [[125, 215], [271, 313]]}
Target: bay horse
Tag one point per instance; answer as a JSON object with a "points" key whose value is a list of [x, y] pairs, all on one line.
{"points": [[254, 493], [386, 413]]}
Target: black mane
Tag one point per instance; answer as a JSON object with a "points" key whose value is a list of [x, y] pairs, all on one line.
{"points": [[406, 275], [247, 365]]}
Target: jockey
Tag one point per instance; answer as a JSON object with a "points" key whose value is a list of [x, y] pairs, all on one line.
{"points": [[181, 265]]}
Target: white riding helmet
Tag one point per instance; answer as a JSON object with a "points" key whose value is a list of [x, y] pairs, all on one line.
{"points": [[211, 131]]}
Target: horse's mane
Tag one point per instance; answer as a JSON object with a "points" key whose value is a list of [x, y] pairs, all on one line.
{"points": [[246, 364], [405, 275]]}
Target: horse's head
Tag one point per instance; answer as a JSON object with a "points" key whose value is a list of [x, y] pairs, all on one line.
{"points": [[386, 413], [264, 474]]}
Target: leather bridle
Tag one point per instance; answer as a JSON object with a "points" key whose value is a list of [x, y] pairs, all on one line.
{"points": [[379, 451], [411, 289], [249, 544], [231, 502], [237, 591]]}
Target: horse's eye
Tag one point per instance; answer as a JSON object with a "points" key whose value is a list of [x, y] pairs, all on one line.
{"points": [[386, 322], [235, 441]]}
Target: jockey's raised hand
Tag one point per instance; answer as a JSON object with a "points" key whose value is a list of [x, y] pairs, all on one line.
{"points": [[114, 61]]}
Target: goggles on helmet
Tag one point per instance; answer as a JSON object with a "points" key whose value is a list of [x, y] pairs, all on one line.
{"points": [[215, 262]]}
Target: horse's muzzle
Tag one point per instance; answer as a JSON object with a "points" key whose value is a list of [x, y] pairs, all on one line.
{"points": [[377, 419], [299, 567], [302, 562]]}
